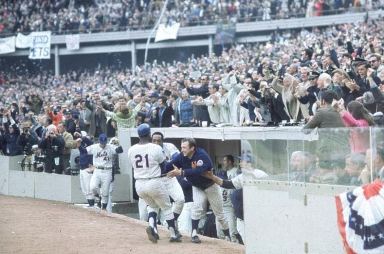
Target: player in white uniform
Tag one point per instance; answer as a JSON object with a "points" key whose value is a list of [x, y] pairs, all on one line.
{"points": [[102, 162], [148, 161], [230, 172], [247, 172], [172, 184]]}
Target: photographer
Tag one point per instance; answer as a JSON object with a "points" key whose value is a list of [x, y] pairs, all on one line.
{"points": [[52, 146], [26, 140]]}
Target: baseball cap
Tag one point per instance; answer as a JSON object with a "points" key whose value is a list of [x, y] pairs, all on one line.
{"points": [[247, 157], [103, 138], [143, 130], [154, 95]]}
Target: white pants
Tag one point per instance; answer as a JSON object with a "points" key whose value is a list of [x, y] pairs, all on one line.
{"points": [[213, 195], [185, 220], [85, 181], [109, 206], [143, 211], [174, 191], [241, 229], [155, 194], [229, 214], [103, 178]]}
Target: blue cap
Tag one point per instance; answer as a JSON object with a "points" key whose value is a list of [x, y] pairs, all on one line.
{"points": [[247, 157], [103, 139], [143, 130]]}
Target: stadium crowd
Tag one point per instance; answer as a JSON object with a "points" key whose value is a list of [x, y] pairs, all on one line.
{"points": [[67, 16], [282, 81], [292, 79]]}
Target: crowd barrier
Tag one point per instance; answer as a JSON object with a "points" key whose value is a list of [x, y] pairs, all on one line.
{"points": [[293, 210], [65, 188]]}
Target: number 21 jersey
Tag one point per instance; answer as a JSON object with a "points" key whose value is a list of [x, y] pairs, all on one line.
{"points": [[145, 160]]}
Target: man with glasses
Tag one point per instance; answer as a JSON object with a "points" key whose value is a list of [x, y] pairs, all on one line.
{"points": [[375, 62]]}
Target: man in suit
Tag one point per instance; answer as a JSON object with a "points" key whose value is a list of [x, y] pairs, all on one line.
{"points": [[162, 115], [326, 116], [333, 141]]}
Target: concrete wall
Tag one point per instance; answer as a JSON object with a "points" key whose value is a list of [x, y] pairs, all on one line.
{"points": [[63, 188], [291, 218]]}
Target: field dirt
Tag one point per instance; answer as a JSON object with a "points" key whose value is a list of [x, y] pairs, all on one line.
{"points": [[39, 226]]}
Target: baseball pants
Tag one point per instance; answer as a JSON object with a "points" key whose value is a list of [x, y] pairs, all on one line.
{"points": [[184, 220], [155, 194], [143, 209], [103, 178], [241, 229], [229, 214], [85, 181], [174, 191], [109, 205], [211, 194]]}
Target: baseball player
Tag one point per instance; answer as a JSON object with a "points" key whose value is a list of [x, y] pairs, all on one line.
{"points": [[148, 162], [85, 161], [246, 161], [102, 162], [230, 171], [191, 163], [172, 185]]}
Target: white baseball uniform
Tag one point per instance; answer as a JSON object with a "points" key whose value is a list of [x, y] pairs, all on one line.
{"points": [[85, 180], [102, 161], [145, 160], [172, 185], [238, 184], [228, 211]]}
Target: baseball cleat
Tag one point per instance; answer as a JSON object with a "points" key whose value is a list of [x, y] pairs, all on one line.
{"points": [[177, 233], [195, 239], [151, 234], [175, 240]]}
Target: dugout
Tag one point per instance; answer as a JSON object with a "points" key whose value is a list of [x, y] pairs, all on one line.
{"points": [[293, 208]]}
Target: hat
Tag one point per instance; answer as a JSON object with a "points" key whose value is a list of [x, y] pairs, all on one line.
{"points": [[313, 75], [247, 157], [103, 139], [359, 61], [154, 95], [67, 112], [143, 130]]}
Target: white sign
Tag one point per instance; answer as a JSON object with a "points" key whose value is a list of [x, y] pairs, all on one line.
{"points": [[7, 45], [167, 32], [41, 45], [23, 41], [72, 42]]}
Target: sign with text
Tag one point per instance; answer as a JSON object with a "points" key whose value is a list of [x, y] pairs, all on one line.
{"points": [[40, 45]]}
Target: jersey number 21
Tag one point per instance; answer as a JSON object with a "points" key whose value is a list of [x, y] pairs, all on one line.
{"points": [[140, 162]]}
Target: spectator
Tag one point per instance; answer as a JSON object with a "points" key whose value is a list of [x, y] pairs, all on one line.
{"points": [[162, 115], [69, 144], [52, 146]]}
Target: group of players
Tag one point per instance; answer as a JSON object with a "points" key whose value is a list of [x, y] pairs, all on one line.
{"points": [[160, 171]]}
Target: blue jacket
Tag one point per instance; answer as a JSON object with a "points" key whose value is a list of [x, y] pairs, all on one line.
{"points": [[193, 175], [85, 158]]}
